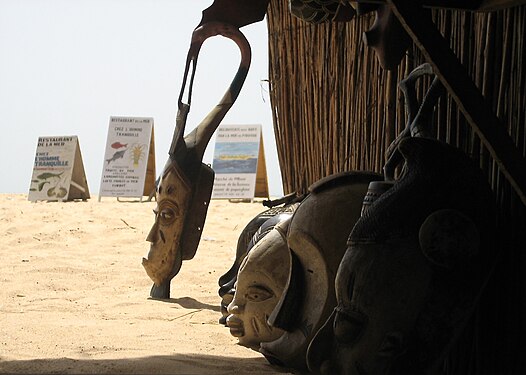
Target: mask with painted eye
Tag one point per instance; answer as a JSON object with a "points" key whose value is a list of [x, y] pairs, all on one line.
{"points": [[173, 194], [185, 188]]}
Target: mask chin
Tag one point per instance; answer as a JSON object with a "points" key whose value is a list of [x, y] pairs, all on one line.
{"points": [[162, 291]]}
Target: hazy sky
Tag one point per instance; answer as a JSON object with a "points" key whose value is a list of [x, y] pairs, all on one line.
{"points": [[66, 66]]}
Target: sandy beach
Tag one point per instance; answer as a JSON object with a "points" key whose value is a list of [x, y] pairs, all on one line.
{"points": [[74, 297]]}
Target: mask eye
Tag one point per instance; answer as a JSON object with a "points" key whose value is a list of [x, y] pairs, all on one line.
{"points": [[258, 293], [167, 215], [348, 326]]}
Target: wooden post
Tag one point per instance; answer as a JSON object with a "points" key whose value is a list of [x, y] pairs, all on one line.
{"points": [[467, 96]]}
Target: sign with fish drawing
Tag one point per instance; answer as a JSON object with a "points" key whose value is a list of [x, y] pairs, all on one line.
{"points": [[129, 158], [239, 163], [58, 171]]}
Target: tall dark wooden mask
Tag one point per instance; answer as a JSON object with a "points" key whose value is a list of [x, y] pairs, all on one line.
{"points": [[415, 265]]}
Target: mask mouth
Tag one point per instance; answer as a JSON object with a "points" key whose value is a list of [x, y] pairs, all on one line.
{"points": [[236, 326]]}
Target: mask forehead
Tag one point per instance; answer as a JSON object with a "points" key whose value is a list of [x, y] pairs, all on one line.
{"points": [[369, 270], [385, 283], [174, 184], [267, 263]]}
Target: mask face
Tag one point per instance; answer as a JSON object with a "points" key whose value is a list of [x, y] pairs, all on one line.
{"points": [[380, 289], [173, 196], [255, 231], [260, 283]]}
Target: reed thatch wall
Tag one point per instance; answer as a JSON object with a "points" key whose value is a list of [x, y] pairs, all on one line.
{"points": [[335, 109]]}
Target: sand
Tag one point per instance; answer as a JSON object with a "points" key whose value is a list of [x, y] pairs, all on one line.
{"points": [[74, 297]]}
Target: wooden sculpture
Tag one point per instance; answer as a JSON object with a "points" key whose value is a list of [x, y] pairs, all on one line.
{"points": [[416, 263], [185, 186]]}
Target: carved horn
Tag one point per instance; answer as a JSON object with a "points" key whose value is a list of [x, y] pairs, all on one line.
{"points": [[198, 139]]}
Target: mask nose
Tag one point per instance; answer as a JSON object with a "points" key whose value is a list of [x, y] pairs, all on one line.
{"points": [[234, 308], [152, 236], [155, 234]]}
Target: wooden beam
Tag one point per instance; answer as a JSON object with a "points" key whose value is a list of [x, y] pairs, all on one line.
{"points": [[467, 96], [470, 5], [489, 5]]}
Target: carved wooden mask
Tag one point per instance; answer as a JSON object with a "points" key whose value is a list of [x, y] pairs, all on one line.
{"points": [[173, 198], [185, 188], [317, 236], [415, 265], [260, 283]]}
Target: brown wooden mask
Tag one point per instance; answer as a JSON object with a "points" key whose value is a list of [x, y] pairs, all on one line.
{"points": [[387, 37], [173, 198], [415, 265], [322, 10], [186, 184]]}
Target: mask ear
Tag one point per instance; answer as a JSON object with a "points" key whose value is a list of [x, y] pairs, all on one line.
{"points": [[449, 238]]}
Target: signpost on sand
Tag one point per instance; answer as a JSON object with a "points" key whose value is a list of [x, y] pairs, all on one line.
{"points": [[58, 171], [239, 163], [129, 161]]}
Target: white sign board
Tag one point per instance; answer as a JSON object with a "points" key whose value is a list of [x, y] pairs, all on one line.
{"points": [[235, 163], [126, 157], [58, 171]]}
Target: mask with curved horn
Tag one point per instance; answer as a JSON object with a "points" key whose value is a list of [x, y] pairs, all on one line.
{"points": [[185, 186]]}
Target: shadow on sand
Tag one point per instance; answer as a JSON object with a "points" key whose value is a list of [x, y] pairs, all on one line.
{"points": [[189, 303], [179, 364]]}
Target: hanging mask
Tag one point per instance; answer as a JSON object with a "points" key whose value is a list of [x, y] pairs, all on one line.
{"points": [[186, 184]]}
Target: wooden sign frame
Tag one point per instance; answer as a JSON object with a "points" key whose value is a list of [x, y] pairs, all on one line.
{"points": [[261, 189], [129, 163], [58, 172], [239, 163]]}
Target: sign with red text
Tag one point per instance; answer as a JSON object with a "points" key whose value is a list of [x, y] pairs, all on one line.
{"points": [[129, 158], [58, 171], [239, 161]]}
